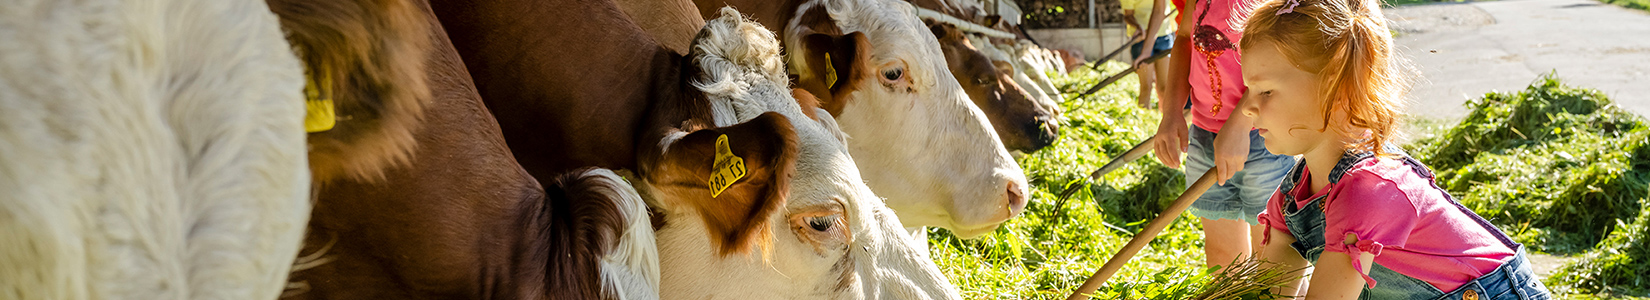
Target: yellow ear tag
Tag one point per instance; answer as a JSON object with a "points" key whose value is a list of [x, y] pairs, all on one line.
{"points": [[830, 72], [727, 169], [320, 115]]}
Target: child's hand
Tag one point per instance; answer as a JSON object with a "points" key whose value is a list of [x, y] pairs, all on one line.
{"points": [[1170, 140], [1231, 149]]}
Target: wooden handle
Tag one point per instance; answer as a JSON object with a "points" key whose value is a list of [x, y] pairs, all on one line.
{"points": [[1144, 237]]}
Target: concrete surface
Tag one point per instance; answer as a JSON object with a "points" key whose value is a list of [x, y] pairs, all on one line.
{"points": [[1465, 50], [1092, 42]]}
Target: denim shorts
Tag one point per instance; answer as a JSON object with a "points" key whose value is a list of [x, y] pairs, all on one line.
{"points": [[1163, 44], [1244, 196]]}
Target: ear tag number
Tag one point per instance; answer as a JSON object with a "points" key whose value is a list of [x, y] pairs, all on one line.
{"points": [[727, 169]]}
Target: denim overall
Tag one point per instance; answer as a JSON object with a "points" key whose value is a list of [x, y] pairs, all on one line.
{"points": [[1512, 280]]}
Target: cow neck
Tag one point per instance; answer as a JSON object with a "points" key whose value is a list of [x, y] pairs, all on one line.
{"points": [[676, 106]]}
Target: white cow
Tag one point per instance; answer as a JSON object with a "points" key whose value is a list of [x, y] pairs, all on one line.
{"points": [[149, 149], [833, 238], [915, 135]]}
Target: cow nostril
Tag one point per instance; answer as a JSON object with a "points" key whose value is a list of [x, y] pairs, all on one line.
{"points": [[1016, 198]]}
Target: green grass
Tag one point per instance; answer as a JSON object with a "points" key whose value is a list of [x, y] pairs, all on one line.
{"points": [[1558, 167], [1046, 253], [1643, 5]]}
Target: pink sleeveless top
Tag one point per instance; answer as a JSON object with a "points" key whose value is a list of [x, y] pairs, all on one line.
{"points": [[1216, 76]]}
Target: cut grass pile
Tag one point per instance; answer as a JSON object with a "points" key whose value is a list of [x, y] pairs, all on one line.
{"points": [[1560, 168], [1563, 171]]}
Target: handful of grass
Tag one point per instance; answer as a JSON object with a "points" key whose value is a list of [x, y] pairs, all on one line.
{"points": [[1249, 279]]}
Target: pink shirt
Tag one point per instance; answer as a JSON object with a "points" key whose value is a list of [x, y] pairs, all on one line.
{"points": [[1226, 67], [1400, 218]]}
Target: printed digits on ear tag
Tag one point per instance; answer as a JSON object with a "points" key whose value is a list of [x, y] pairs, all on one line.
{"points": [[727, 168]]}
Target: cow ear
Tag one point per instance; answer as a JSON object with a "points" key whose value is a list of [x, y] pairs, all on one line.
{"points": [[992, 20], [734, 178], [835, 66], [1003, 66], [834, 61]]}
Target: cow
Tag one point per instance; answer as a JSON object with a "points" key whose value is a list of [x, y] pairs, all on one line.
{"points": [[628, 102], [832, 238], [991, 85], [916, 137], [440, 208], [152, 149]]}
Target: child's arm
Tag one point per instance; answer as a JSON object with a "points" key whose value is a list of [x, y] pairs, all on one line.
{"points": [[1171, 139], [1154, 23], [1232, 142], [1334, 278], [1277, 251]]}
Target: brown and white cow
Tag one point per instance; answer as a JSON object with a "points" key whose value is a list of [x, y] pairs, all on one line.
{"points": [[1022, 122], [833, 239], [447, 212], [597, 90], [149, 149], [915, 135]]}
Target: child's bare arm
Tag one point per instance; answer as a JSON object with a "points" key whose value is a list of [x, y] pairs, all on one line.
{"points": [[1171, 138], [1277, 251], [1334, 278]]}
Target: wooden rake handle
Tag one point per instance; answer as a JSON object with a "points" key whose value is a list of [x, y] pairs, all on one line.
{"points": [[1144, 237]]}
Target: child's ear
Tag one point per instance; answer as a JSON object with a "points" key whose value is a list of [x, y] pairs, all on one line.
{"points": [[735, 178]]}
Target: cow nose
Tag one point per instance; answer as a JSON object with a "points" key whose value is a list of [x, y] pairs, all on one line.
{"points": [[1043, 132], [1016, 198]]}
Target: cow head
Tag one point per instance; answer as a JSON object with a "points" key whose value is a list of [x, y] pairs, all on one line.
{"points": [[1022, 123], [368, 59], [915, 134], [804, 225]]}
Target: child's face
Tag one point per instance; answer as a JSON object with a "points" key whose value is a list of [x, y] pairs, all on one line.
{"points": [[1284, 100]]}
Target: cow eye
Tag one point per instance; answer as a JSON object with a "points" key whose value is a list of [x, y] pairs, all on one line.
{"points": [[893, 74], [820, 223]]}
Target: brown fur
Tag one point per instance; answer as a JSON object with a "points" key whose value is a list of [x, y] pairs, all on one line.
{"points": [[375, 52], [672, 23], [807, 101], [578, 213], [1021, 123], [460, 220], [606, 104]]}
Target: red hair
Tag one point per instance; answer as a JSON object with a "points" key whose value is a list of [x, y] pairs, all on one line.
{"points": [[1347, 45]]}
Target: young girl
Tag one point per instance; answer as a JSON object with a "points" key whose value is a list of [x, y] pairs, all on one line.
{"points": [[1204, 64], [1324, 84]]}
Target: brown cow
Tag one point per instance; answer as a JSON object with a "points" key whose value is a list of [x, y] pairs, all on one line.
{"points": [[459, 218], [597, 91], [1022, 123]]}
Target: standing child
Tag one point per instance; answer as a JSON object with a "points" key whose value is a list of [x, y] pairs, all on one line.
{"points": [[1324, 84], [1206, 71], [1148, 29]]}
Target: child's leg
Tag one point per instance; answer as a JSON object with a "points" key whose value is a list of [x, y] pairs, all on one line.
{"points": [[1163, 80], [1227, 240], [1147, 78]]}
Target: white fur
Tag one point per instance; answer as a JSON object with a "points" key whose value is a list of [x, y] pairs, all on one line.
{"points": [[928, 149], [149, 149], [876, 262], [631, 270]]}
